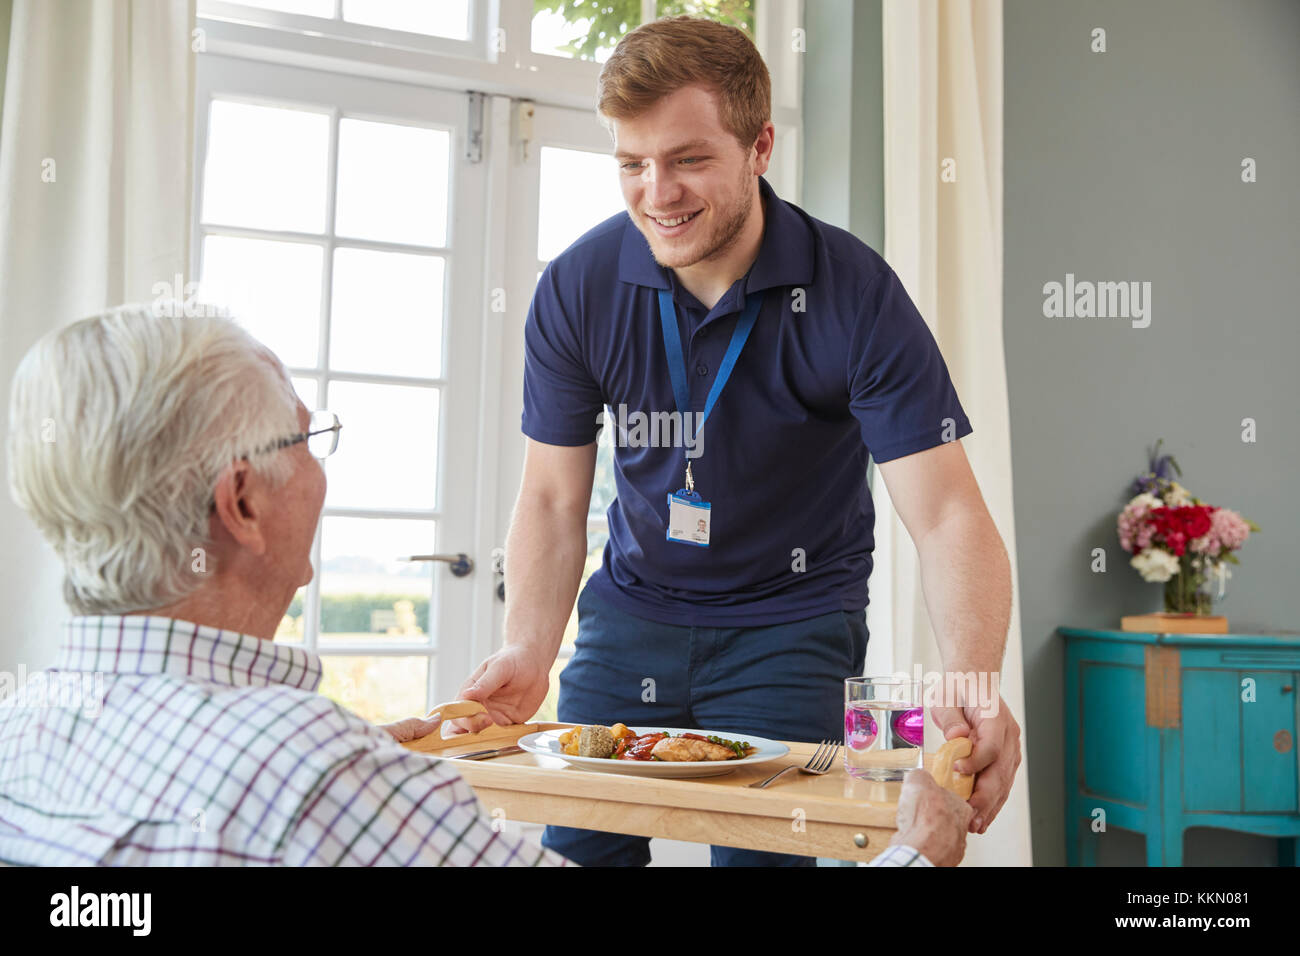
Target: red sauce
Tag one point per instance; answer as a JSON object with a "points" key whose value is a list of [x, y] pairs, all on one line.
{"points": [[637, 748]]}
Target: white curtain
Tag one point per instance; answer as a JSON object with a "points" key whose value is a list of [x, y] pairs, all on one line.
{"points": [[943, 113], [95, 185]]}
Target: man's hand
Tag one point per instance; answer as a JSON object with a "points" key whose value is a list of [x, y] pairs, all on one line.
{"points": [[932, 819], [994, 758], [511, 684], [412, 728]]}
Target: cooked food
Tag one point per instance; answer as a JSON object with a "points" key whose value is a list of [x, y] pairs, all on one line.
{"points": [[620, 743], [571, 740], [687, 748], [595, 741]]}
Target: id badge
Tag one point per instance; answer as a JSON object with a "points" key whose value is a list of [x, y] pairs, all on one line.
{"points": [[689, 519]]}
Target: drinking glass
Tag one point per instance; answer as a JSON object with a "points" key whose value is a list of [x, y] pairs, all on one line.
{"points": [[884, 727]]}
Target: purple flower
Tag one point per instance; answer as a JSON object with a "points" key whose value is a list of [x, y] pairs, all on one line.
{"points": [[1159, 473]]}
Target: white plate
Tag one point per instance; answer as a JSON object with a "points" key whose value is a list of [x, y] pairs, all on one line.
{"points": [[546, 743]]}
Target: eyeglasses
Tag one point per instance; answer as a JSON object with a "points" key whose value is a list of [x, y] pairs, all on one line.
{"points": [[321, 436]]}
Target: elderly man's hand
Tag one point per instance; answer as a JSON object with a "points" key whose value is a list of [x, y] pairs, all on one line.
{"points": [[995, 754], [932, 819], [412, 728]]}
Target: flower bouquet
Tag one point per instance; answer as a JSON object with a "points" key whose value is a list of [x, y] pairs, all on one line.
{"points": [[1179, 540]]}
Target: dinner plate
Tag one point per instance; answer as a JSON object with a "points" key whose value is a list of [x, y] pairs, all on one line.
{"points": [[546, 743]]}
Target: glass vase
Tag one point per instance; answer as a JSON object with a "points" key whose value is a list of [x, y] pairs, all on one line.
{"points": [[1188, 591]]}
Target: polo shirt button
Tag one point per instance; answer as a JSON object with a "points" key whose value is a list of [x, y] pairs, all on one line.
{"points": [[702, 370]]}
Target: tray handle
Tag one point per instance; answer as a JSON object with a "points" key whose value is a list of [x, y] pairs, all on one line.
{"points": [[959, 783], [455, 709]]}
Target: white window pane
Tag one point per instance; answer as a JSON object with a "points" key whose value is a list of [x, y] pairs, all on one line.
{"points": [[578, 190], [291, 628], [307, 389], [310, 8], [439, 18], [380, 689], [386, 315], [271, 288], [603, 491], [392, 183], [266, 167], [363, 584], [388, 448], [586, 38]]}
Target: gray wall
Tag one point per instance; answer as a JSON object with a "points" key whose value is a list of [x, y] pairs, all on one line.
{"points": [[1125, 165], [843, 106]]}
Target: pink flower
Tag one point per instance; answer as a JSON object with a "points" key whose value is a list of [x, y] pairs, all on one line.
{"points": [[1135, 532], [1228, 532]]}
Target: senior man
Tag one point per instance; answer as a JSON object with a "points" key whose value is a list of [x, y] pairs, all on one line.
{"points": [[175, 472]]}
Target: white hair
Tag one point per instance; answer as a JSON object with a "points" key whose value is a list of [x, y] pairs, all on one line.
{"points": [[119, 427]]}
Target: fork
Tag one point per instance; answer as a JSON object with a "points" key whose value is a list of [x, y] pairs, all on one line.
{"points": [[820, 762]]}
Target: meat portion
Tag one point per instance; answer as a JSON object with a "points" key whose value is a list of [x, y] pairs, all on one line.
{"points": [[595, 741], [684, 748]]}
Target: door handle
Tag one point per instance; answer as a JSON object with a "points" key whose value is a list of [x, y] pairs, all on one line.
{"points": [[499, 569], [459, 564]]}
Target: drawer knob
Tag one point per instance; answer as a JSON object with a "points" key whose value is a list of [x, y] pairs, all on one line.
{"points": [[1282, 741], [859, 840]]}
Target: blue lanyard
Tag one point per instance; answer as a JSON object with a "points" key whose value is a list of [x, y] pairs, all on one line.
{"points": [[677, 363]]}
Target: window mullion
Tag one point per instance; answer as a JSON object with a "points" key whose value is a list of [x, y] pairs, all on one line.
{"points": [[322, 355]]}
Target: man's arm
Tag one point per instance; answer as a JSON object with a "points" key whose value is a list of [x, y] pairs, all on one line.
{"points": [[965, 571], [966, 578], [546, 547], [546, 550]]}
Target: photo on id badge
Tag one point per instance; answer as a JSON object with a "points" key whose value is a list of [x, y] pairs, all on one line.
{"points": [[689, 520]]}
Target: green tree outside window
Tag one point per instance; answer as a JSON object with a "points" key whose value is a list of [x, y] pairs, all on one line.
{"points": [[611, 19]]}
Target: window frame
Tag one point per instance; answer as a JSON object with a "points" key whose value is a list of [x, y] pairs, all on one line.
{"points": [[268, 84]]}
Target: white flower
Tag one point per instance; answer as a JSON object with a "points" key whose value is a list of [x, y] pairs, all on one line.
{"points": [[1177, 496], [1155, 564], [1146, 501]]}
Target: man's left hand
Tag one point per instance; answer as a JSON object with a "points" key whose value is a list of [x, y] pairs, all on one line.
{"points": [[994, 758]]}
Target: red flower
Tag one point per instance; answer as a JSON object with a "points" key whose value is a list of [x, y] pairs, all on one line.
{"points": [[1175, 527]]}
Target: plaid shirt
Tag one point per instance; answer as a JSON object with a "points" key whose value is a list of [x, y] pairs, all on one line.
{"points": [[900, 855], [161, 742]]}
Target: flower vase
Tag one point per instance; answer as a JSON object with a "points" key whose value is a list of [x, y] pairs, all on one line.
{"points": [[1188, 591], [1189, 601]]}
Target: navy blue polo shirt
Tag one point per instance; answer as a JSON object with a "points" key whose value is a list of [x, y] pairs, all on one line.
{"points": [[839, 365]]}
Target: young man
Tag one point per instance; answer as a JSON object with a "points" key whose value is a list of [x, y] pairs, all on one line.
{"points": [[713, 302]]}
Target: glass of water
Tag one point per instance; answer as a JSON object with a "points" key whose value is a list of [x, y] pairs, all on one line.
{"points": [[884, 727]]}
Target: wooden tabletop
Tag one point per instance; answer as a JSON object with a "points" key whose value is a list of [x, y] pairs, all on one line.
{"points": [[832, 815]]}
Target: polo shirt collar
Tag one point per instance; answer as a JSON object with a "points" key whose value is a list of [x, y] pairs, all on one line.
{"points": [[785, 257], [146, 644]]}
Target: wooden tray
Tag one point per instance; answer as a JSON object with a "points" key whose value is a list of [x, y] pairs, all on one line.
{"points": [[833, 815]]}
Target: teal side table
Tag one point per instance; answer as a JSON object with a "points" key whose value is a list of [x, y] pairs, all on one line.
{"points": [[1169, 731]]}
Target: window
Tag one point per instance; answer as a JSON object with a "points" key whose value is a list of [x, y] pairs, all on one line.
{"points": [[326, 228], [577, 189]]}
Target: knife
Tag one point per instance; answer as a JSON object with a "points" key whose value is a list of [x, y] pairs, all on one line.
{"points": [[486, 754]]}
